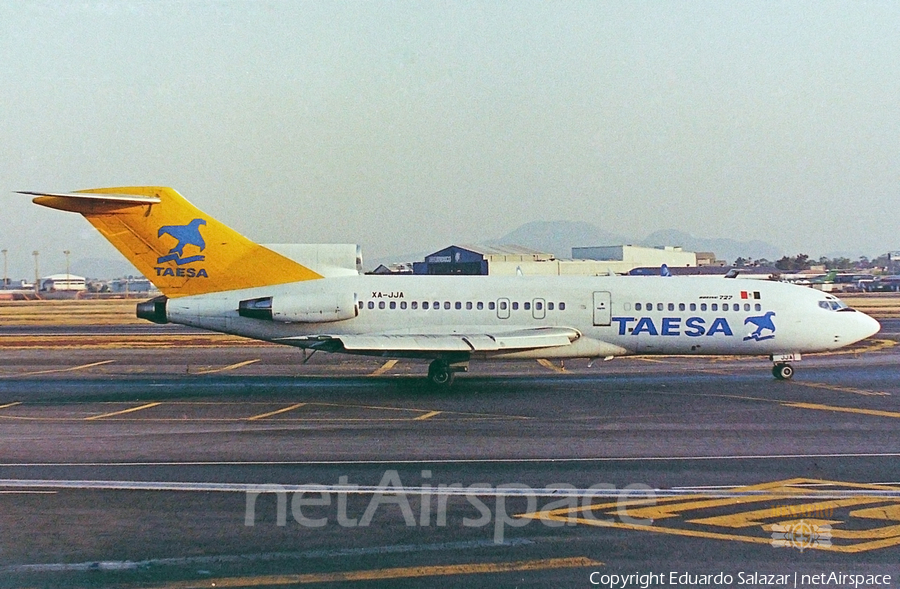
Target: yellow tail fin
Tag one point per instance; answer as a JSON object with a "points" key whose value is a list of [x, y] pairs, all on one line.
{"points": [[179, 248]]}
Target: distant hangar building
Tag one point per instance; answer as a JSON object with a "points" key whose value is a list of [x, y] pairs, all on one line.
{"points": [[637, 255], [509, 260], [475, 260]]}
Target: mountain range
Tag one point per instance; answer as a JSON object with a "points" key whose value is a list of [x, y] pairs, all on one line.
{"points": [[559, 237]]}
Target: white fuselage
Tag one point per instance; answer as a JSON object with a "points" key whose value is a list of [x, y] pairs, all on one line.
{"points": [[615, 315]]}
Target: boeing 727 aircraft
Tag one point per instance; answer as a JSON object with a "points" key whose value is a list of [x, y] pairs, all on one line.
{"points": [[213, 278]]}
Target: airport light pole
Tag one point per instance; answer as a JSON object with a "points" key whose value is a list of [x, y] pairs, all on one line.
{"points": [[37, 275], [5, 268], [68, 280]]}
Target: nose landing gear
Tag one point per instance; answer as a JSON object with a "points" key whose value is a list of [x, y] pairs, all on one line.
{"points": [[783, 371]]}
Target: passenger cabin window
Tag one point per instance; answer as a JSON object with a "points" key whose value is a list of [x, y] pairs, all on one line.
{"points": [[693, 306], [393, 304], [671, 306], [746, 306], [469, 306], [447, 305], [458, 306], [659, 306], [479, 305], [425, 304], [502, 305], [415, 305], [402, 304], [381, 305], [539, 306], [371, 305], [758, 307], [714, 307], [681, 306], [637, 306], [492, 305], [515, 306], [436, 305], [703, 306], [527, 306], [562, 306]]}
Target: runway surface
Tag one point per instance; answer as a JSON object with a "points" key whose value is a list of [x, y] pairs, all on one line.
{"points": [[165, 458]]}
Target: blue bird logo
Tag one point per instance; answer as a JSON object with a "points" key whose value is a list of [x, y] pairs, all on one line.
{"points": [[762, 322], [186, 235]]}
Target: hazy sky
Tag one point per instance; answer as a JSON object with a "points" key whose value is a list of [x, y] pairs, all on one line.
{"points": [[407, 126]]}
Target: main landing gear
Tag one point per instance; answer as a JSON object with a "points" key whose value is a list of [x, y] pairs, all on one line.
{"points": [[441, 372]]}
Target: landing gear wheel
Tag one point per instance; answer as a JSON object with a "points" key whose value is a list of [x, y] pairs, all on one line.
{"points": [[783, 371], [439, 373]]}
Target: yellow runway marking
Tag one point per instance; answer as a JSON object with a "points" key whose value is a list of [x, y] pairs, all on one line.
{"points": [[818, 385], [387, 366], [70, 369], [276, 412], [551, 366], [428, 415], [10, 405], [231, 367], [838, 409], [784, 503], [405, 413], [394, 573], [122, 412]]}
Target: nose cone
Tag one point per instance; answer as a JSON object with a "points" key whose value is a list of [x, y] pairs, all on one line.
{"points": [[863, 326]]}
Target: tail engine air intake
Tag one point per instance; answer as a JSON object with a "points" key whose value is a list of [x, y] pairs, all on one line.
{"points": [[316, 308]]}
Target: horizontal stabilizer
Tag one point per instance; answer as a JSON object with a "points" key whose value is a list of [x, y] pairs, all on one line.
{"points": [[112, 198]]}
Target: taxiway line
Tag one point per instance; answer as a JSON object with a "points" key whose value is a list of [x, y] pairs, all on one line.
{"points": [[122, 412], [876, 412], [276, 412], [819, 385], [635, 496], [391, 573], [384, 368], [426, 460], [428, 415], [55, 370], [230, 367]]}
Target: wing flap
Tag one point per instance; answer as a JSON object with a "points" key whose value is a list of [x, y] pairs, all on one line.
{"points": [[525, 339]]}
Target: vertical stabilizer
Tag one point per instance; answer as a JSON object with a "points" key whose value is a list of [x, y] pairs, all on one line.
{"points": [[182, 250]]}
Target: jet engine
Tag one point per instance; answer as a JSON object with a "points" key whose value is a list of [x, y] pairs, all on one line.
{"points": [[312, 308]]}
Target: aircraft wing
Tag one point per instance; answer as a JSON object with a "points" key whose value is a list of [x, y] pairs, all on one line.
{"points": [[523, 339]]}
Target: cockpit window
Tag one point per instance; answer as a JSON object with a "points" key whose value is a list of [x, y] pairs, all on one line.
{"points": [[833, 305]]}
